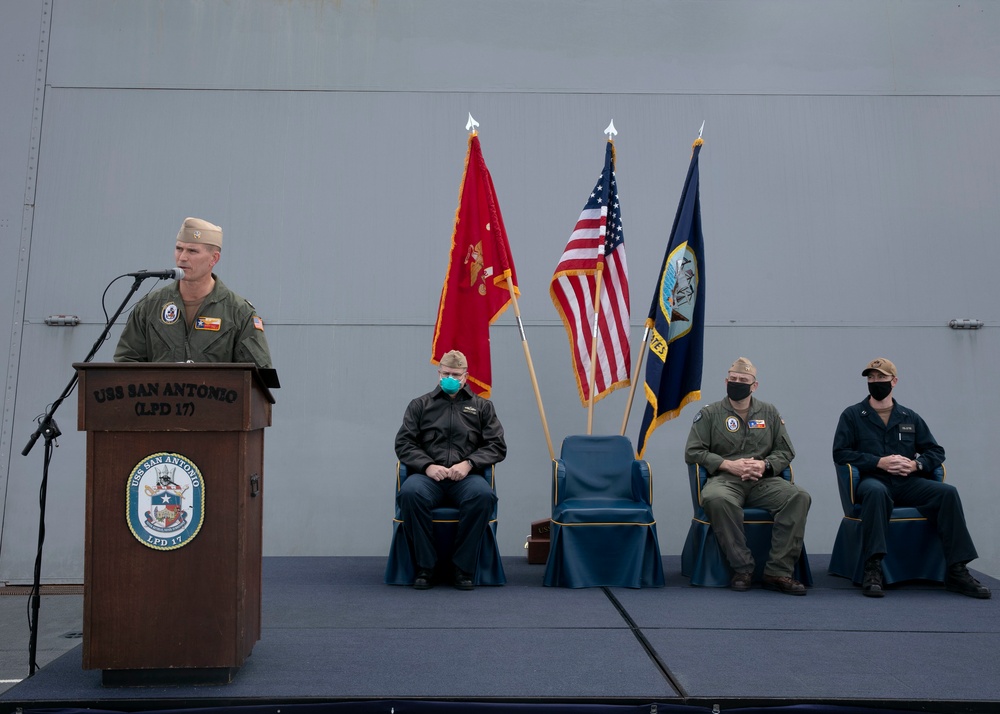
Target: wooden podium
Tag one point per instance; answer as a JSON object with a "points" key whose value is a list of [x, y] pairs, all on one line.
{"points": [[175, 486]]}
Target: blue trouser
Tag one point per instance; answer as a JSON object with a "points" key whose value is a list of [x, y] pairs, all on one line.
{"points": [[473, 497], [938, 502]]}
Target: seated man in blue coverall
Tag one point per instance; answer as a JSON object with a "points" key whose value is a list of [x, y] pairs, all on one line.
{"points": [[449, 437], [895, 453]]}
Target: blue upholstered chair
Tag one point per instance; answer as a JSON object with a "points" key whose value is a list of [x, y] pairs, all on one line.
{"points": [[400, 568], [603, 531], [702, 559], [914, 548]]}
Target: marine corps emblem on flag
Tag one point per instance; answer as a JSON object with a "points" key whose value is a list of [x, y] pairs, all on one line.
{"points": [[165, 503]]}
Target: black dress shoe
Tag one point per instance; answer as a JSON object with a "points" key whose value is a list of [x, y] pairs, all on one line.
{"points": [[871, 585], [741, 582], [424, 580], [783, 584], [463, 581], [960, 580]]}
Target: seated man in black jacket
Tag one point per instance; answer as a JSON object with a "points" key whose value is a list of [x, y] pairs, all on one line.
{"points": [[448, 438], [894, 453]]}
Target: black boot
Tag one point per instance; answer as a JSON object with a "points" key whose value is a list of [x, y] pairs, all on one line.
{"points": [[960, 580], [871, 586]]}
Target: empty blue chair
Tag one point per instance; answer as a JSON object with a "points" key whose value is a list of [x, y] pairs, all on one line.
{"points": [[914, 548], [603, 531], [400, 568], [702, 559]]}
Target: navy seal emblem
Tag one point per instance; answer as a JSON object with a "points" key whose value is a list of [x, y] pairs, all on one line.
{"points": [[165, 503]]}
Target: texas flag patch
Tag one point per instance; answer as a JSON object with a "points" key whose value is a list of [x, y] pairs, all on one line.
{"points": [[258, 323], [208, 323], [756, 424]]}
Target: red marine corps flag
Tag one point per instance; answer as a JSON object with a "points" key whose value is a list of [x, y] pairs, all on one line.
{"points": [[477, 288]]}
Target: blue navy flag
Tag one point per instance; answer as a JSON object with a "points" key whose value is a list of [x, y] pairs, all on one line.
{"points": [[677, 315]]}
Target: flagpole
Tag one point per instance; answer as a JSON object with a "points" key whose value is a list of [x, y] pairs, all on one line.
{"points": [[470, 127], [531, 369], [612, 133], [635, 377], [645, 334], [593, 346]]}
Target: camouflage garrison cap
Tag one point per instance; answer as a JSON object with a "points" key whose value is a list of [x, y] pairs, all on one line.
{"points": [[195, 230], [880, 364], [744, 366], [454, 360]]}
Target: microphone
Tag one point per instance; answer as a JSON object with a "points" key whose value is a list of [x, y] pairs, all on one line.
{"points": [[172, 274]]}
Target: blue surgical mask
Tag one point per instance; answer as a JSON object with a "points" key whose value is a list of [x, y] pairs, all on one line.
{"points": [[450, 385]]}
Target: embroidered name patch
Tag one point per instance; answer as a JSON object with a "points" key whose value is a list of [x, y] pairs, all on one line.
{"points": [[208, 323], [165, 501], [756, 424], [469, 410]]}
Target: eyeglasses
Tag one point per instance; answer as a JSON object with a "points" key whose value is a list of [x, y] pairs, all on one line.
{"points": [[453, 375]]}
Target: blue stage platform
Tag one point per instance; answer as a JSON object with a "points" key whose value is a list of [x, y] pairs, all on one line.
{"points": [[335, 636]]}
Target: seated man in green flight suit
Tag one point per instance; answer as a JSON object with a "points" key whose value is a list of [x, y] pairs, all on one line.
{"points": [[744, 447]]}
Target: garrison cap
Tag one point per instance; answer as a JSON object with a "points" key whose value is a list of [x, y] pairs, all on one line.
{"points": [[195, 230], [744, 366], [454, 360]]}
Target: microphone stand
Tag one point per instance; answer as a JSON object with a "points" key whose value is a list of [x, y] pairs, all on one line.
{"points": [[48, 429]]}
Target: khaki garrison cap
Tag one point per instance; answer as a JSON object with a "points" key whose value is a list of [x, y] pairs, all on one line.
{"points": [[744, 366], [454, 360], [195, 230]]}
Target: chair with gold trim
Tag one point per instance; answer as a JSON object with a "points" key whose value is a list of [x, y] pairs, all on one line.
{"points": [[400, 568], [603, 531], [702, 559], [914, 550]]}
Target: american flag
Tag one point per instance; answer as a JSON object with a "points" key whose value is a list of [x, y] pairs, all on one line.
{"points": [[597, 242]]}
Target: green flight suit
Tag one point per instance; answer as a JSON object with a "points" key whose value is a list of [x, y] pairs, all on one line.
{"points": [[719, 434], [226, 329]]}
